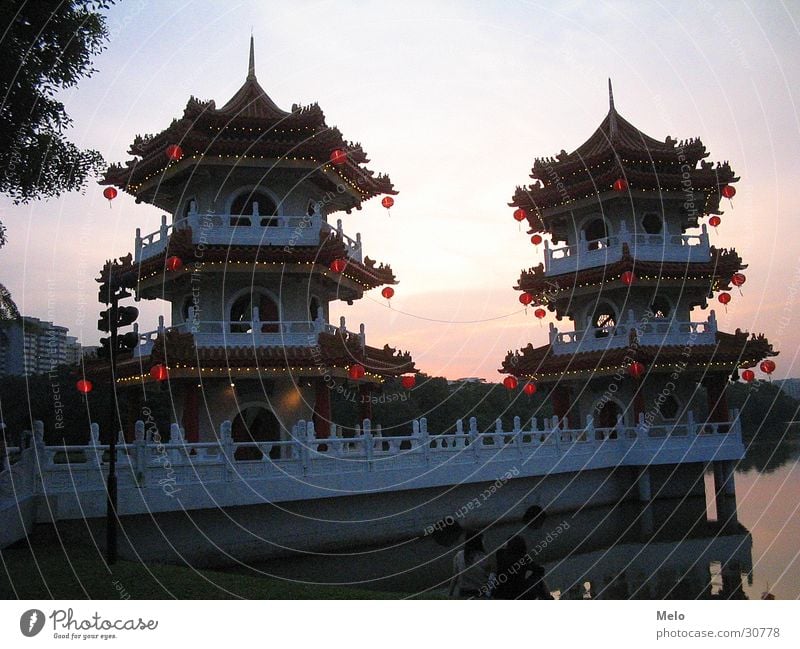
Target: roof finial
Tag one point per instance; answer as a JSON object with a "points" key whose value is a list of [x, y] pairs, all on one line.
{"points": [[610, 96], [251, 69]]}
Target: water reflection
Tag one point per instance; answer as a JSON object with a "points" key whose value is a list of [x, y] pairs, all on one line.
{"points": [[667, 549]]}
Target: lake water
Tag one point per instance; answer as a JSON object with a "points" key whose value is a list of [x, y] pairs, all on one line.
{"points": [[674, 549]]}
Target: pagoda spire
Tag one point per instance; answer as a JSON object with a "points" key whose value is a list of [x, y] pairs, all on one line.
{"points": [[251, 68], [612, 112]]}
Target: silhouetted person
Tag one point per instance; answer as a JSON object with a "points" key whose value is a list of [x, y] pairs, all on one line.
{"points": [[471, 569], [512, 568]]}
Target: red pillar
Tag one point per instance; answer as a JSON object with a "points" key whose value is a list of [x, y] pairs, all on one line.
{"points": [[364, 402], [717, 398], [191, 420], [322, 410]]}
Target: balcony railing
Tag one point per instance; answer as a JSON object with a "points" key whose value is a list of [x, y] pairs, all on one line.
{"points": [[252, 333], [681, 248], [655, 332], [211, 228]]}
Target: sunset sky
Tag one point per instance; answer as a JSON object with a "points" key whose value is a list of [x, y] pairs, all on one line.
{"points": [[454, 100]]}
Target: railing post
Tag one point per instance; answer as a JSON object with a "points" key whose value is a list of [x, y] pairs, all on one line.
{"points": [[39, 465], [369, 450], [590, 427], [704, 236], [362, 336], [176, 437], [339, 229], [163, 228], [620, 426], [459, 433], [547, 255], [138, 245], [474, 437], [517, 439], [94, 442], [160, 325], [342, 325]]}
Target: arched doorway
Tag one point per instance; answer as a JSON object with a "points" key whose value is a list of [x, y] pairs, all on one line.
{"points": [[256, 424], [241, 315], [604, 320], [607, 417], [596, 233], [255, 205]]}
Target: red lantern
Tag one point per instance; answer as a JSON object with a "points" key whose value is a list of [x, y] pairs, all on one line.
{"points": [[356, 371], [767, 366], [408, 382], [526, 298], [174, 152], [728, 191], [738, 279], [714, 221], [724, 298], [628, 278], [109, 193], [84, 386], [519, 214], [536, 239], [174, 263], [540, 313], [748, 376], [387, 202], [510, 382], [529, 389], [388, 292], [620, 185], [159, 372], [338, 157], [338, 265], [636, 369]]}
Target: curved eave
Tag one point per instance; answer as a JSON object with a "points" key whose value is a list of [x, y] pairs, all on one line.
{"points": [[730, 352]]}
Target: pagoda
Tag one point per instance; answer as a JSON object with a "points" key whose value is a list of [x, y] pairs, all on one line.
{"points": [[629, 262], [250, 263]]}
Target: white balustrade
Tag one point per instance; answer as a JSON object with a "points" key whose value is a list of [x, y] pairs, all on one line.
{"points": [[653, 332], [681, 248], [211, 228]]}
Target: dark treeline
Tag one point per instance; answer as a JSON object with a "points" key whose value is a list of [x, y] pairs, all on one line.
{"points": [[765, 410]]}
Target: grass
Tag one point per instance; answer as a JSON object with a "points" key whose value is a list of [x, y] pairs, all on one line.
{"points": [[44, 570]]}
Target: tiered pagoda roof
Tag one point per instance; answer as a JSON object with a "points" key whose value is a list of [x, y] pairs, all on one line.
{"points": [[731, 350], [334, 353], [715, 274], [617, 149], [249, 127]]}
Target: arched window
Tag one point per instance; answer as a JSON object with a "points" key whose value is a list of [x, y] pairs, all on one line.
{"points": [[669, 407], [660, 307], [596, 233], [254, 205], [313, 307], [188, 206], [188, 302], [242, 313], [604, 320], [256, 424], [652, 223]]}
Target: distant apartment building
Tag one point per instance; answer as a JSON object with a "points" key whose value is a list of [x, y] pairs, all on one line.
{"points": [[31, 346], [790, 387]]}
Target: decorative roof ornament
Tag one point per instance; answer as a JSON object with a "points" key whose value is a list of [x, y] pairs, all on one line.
{"points": [[612, 113], [251, 67]]}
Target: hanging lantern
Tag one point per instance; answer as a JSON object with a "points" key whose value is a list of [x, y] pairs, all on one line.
{"points": [[529, 389], [724, 298], [737, 279], [388, 292], [109, 193], [519, 214], [408, 382], [338, 265], [620, 185], [356, 372], [387, 202], [540, 313], [84, 386], [159, 372], [174, 152], [174, 263], [510, 382], [536, 239], [728, 191], [338, 157], [767, 366], [525, 298], [628, 277], [748, 376], [636, 369], [714, 221]]}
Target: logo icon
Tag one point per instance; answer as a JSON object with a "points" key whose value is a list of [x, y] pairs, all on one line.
{"points": [[31, 622]]}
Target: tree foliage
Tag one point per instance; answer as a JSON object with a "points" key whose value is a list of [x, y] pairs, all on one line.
{"points": [[47, 47]]}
